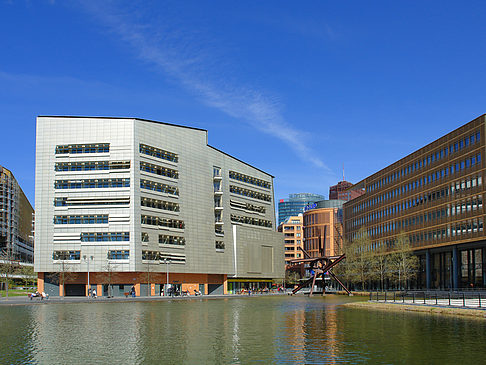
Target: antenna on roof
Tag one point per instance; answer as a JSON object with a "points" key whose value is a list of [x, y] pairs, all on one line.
{"points": [[343, 171]]}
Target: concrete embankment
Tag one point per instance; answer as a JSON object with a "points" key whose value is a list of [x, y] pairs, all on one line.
{"points": [[398, 307]]}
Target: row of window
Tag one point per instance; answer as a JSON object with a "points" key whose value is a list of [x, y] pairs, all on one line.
{"points": [[76, 255], [162, 222], [250, 193], [454, 188], [426, 161], [66, 255], [249, 179], [159, 170], [80, 219], [451, 230], [248, 206], [460, 207], [118, 255], [162, 188], [171, 240], [92, 165], [104, 236], [83, 148], [252, 221], [65, 202], [423, 181], [91, 183], [159, 153], [162, 256], [159, 204]]}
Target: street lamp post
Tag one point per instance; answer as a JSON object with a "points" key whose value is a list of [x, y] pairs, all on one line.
{"points": [[167, 262], [87, 260]]}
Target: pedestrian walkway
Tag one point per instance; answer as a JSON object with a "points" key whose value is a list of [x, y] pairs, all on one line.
{"points": [[470, 300]]}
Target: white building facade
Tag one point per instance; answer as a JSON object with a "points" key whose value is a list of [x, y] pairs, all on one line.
{"points": [[130, 200]]}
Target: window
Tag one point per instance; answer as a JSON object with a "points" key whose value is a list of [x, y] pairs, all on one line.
{"points": [[118, 255], [66, 255], [171, 240], [81, 219], [250, 193], [249, 179], [252, 221], [91, 184], [219, 245], [247, 206], [145, 237], [159, 204], [105, 236], [83, 148], [67, 202], [159, 170], [92, 165], [216, 171], [162, 188], [159, 153], [150, 255], [162, 222]]}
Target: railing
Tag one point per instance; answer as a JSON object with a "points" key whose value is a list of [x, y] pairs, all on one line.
{"points": [[470, 299]]}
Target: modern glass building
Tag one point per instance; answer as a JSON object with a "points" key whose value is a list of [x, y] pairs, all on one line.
{"points": [[295, 204], [435, 196]]}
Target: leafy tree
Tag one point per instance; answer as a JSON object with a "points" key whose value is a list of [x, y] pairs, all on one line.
{"points": [[8, 267], [358, 259], [403, 262], [291, 277], [380, 262]]}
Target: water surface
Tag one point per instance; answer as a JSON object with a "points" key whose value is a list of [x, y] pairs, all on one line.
{"points": [[267, 330]]}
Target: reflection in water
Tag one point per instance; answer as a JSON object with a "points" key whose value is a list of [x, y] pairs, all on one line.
{"points": [[288, 330]]}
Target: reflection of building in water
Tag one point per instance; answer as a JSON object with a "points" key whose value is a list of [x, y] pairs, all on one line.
{"points": [[140, 203]]}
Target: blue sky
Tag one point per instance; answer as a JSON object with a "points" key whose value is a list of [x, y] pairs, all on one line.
{"points": [[298, 89]]}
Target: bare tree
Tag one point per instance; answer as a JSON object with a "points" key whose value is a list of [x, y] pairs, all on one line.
{"points": [[63, 275], [107, 276]]}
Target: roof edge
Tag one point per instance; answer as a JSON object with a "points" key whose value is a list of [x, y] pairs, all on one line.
{"points": [[128, 118]]}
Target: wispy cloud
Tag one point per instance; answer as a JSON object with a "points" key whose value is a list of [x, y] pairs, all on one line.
{"points": [[174, 53]]}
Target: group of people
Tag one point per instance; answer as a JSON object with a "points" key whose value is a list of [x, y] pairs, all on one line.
{"points": [[92, 293], [38, 294]]}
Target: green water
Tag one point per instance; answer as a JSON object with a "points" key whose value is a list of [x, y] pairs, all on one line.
{"points": [[269, 330]]}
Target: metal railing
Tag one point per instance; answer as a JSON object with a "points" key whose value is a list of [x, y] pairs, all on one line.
{"points": [[470, 299]]}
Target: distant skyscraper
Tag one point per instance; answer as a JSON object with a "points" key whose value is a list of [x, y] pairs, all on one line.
{"points": [[342, 191], [16, 215], [295, 204]]}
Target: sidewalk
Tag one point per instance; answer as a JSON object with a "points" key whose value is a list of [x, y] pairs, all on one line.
{"points": [[24, 300]]}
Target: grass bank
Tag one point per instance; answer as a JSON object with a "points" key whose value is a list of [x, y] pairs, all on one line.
{"points": [[396, 307], [15, 293]]}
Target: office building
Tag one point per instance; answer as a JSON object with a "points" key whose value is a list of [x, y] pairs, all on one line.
{"points": [[344, 190], [16, 217], [295, 204], [434, 196], [293, 238], [323, 229], [135, 203]]}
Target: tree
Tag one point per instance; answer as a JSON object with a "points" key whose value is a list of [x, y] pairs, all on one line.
{"points": [[380, 265], [28, 275], [7, 267], [291, 277], [404, 263], [107, 276], [64, 274], [358, 259]]}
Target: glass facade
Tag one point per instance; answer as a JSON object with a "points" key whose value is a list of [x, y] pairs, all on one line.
{"points": [[295, 204]]}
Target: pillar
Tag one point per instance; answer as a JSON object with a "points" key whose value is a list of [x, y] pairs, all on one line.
{"points": [[225, 284], [40, 282], [455, 268], [428, 270], [137, 289]]}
